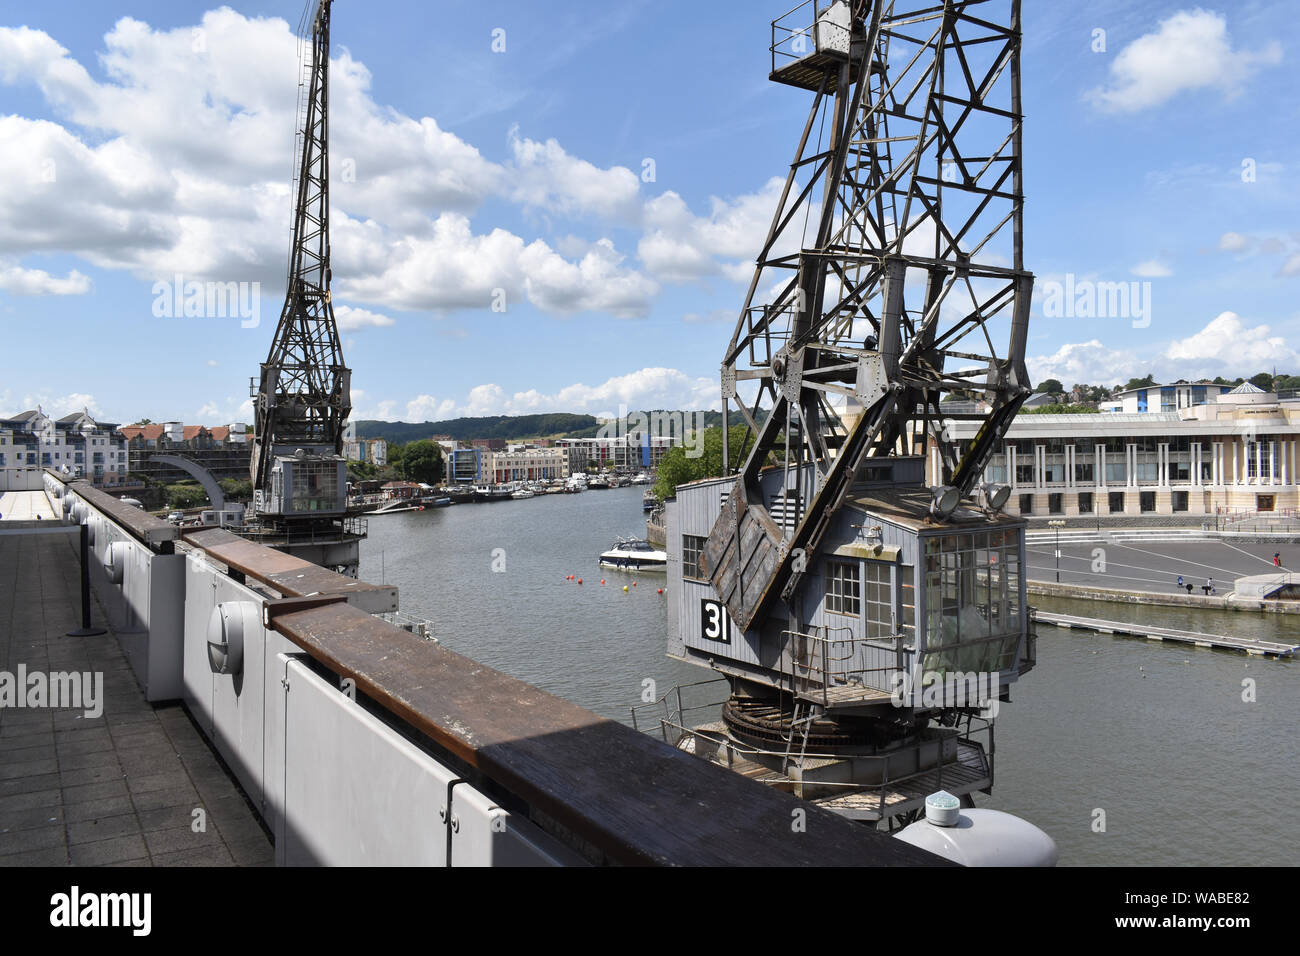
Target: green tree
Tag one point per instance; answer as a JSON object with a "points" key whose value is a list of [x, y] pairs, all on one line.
{"points": [[680, 465], [237, 489], [1062, 408], [186, 495], [1050, 386], [422, 461], [1263, 381], [1145, 382]]}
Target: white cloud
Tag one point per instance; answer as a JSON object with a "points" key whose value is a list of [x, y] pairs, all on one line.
{"points": [[1084, 362], [60, 405], [19, 281], [1233, 242], [157, 177], [349, 319], [1152, 269], [455, 269], [1250, 346], [681, 247], [643, 389], [1246, 246], [1201, 354], [543, 174], [1191, 50], [426, 408]]}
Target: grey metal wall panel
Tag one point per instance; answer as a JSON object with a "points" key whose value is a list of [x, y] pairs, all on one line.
{"points": [[334, 752]]}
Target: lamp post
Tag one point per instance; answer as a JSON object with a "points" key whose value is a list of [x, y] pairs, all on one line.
{"points": [[1058, 525]]}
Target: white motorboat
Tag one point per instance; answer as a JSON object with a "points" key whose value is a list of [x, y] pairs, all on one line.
{"points": [[634, 554]]}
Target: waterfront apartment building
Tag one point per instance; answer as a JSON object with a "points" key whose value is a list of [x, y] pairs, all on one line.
{"points": [[74, 445], [519, 463], [630, 452], [224, 450], [372, 450], [1236, 453]]}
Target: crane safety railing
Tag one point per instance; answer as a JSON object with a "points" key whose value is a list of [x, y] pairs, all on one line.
{"points": [[348, 527], [823, 658], [796, 32], [972, 753], [671, 710]]}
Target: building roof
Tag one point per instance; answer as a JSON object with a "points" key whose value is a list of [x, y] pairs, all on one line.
{"points": [[1158, 385], [147, 432], [909, 507], [1245, 388]]}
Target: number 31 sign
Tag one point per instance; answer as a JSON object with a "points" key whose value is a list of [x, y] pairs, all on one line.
{"points": [[715, 622]]}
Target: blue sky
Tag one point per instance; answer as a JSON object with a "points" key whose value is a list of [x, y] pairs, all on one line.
{"points": [[148, 140]]}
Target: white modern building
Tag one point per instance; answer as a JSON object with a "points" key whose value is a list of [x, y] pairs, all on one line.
{"points": [[1158, 399], [75, 445], [1235, 453]]}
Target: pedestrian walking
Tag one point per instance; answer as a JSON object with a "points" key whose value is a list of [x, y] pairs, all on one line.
{"points": [[1180, 582], [1277, 559]]}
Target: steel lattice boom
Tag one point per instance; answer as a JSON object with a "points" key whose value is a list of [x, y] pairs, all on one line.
{"points": [[891, 277], [304, 397]]}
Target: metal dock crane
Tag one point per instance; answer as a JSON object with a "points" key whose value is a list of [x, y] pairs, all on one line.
{"points": [[303, 397], [850, 559]]}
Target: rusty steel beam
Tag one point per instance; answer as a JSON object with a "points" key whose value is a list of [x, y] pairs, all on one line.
{"points": [[144, 527], [633, 798], [287, 574]]}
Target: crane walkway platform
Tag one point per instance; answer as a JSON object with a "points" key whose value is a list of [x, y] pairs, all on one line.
{"points": [[1127, 629]]}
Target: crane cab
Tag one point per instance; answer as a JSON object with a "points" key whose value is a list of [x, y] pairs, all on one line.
{"points": [[897, 606], [878, 682], [309, 482]]}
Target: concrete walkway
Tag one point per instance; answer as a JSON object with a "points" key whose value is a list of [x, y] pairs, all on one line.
{"points": [[119, 789], [25, 506]]}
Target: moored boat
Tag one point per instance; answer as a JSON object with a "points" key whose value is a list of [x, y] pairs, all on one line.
{"points": [[634, 554]]}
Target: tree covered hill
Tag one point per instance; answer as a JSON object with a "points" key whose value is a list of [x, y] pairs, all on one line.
{"points": [[491, 426]]}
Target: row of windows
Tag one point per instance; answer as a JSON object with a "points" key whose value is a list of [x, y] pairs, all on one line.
{"points": [[1026, 447], [1114, 502], [1118, 473]]}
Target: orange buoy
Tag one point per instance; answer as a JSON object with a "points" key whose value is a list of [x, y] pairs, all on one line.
{"points": [[661, 590], [602, 580], [633, 584], [579, 580]]}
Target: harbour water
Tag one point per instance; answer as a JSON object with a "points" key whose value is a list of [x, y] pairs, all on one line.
{"points": [[1156, 736]]}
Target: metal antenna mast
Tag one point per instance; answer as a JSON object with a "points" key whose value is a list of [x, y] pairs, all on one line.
{"points": [[907, 284], [304, 396]]}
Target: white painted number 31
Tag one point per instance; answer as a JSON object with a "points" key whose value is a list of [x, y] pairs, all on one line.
{"points": [[716, 622]]}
